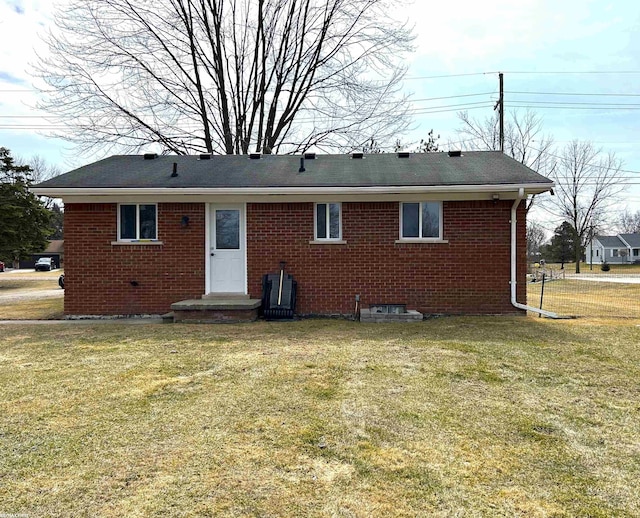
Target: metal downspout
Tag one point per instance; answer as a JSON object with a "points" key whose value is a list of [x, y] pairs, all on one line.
{"points": [[514, 256]]}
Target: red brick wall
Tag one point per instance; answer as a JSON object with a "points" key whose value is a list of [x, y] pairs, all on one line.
{"points": [[98, 274], [469, 274]]}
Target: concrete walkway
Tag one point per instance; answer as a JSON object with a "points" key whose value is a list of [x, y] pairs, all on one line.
{"points": [[623, 279]]}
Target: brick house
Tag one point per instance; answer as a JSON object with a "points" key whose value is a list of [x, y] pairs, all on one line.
{"points": [[443, 233]]}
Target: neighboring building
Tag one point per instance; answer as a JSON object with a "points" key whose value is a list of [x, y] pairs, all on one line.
{"points": [[441, 233], [55, 250], [621, 249]]}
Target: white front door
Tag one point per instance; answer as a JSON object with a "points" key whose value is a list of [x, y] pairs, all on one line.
{"points": [[227, 253]]}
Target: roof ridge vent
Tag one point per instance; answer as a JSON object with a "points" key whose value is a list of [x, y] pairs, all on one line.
{"points": [[150, 156], [255, 156], [455, 153], [204, 156], [357, 156], [404, 154]]}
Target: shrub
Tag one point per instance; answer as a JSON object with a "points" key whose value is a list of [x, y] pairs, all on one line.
{"points": [[605, 267]]}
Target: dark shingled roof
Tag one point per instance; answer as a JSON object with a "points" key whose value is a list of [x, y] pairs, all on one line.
{"points": [[632, 239], [237, 171], [610, 241]]}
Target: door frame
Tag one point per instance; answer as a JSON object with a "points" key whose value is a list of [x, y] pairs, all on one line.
{"points": [[208, 214]]}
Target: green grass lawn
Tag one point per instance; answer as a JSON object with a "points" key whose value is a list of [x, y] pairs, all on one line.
{"points": [[448, 417]]}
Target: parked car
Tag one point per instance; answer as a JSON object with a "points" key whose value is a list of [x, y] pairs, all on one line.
{"points": [[1, 266], [61, 281], [45, 264]]}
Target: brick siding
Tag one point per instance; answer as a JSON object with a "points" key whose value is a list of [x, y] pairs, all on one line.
{"points": [[469, 274], [99, 275]]}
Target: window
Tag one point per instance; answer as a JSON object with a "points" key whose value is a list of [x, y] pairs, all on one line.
{"points": [[615, 252], [227, 229], [636, 252], [421, 220], [328, 218], [137, 222]]}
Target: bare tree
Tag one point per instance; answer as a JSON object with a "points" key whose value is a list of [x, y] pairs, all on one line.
{"points": [[629, 222], [587, 182], [536, 237], [226, 76], [41, 170], [524, 140]]}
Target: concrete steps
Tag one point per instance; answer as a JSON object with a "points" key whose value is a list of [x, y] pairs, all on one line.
{"points": [[226, 308]]}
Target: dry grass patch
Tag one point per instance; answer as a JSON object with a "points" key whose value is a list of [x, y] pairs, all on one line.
{"points": [[479, 416], [587, 298], [39, 309], [21, 298], [10, 286]]}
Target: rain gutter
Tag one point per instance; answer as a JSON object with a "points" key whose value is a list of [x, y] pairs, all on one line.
{"points": [[514, 256]]}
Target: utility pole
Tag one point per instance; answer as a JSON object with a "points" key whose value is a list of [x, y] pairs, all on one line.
{"points": [[500, 107]]}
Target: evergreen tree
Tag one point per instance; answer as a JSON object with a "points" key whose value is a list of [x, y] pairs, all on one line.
{"points": [[24, 220], [57, 222], [562, 248]]}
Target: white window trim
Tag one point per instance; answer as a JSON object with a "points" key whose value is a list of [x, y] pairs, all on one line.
{"points": [[438, 239], [136, 240], [327, 240]]}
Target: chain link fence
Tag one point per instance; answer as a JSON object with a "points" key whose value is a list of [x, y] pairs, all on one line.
{"points": [[592, 293]]}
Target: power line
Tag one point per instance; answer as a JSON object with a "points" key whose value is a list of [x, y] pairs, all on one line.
{"points": [[576, 105], [450, 97], [564, 72], [414, 111], [597, 166], [450, 75], [531, 72], [518, 104], [574, 93], [611, 142]]}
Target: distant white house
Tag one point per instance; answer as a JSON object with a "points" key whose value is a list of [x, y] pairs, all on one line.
{"points": [[622, 248]]}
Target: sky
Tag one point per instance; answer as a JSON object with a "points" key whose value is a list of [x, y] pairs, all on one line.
{"points": [[575, 63]]}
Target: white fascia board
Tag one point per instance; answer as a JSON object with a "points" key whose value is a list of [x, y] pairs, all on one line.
{"points": [[309, 191]]}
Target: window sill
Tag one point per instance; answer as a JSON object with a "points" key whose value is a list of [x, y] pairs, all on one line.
{"points": [[422, 241], [328, 242], [137, 243]]}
